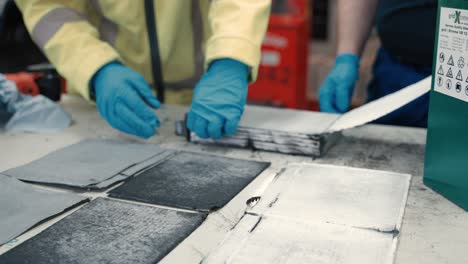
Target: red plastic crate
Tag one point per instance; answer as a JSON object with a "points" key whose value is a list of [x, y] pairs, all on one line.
{"points": [[282, 79]]}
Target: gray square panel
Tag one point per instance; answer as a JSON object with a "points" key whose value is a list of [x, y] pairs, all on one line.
{"points": [[86, 164], [23, 206]]}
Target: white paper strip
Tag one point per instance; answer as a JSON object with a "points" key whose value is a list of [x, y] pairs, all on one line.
{"points": [[381, 107]]}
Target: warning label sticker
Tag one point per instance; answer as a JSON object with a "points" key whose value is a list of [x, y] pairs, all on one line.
{"points": [[449, 73], [452, 49], [450, 62], [459, 76], [441, 70]]}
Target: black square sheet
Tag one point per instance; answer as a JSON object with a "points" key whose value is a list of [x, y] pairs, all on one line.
{"points": [[191, 181], [108, 231]]}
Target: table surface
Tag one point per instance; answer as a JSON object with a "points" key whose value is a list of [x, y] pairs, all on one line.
{"points": [[434, 230]]}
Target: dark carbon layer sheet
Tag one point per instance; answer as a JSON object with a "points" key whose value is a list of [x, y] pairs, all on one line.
{"points": [[191, 181], [23, 206], [108, 231]]}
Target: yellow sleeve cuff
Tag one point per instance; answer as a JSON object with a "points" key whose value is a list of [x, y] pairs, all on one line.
{"points": [[86, 70], [234, 48], [78, 55]]}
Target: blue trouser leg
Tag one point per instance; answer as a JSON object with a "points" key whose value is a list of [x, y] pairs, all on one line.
{"points": [[389, 76]]}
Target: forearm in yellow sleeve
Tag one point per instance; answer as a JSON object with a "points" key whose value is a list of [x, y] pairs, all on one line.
{"points": [[62, 30], [238, 28]]}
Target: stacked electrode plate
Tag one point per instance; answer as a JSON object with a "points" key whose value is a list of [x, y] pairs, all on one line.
{"points": [[280, 130]]}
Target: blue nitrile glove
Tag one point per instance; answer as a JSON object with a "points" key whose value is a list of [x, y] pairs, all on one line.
{"points": [[337, 90], [219, 99], [124, 99]]}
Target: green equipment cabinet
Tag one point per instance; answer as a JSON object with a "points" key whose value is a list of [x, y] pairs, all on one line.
{"points": [[446, 165]]}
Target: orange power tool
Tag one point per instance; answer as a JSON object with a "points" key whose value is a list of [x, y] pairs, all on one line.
{"points": [[39, 79]]}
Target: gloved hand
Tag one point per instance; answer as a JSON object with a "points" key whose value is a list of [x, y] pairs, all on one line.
{"points": [[124, 99], [337, 90], [219, 99]]}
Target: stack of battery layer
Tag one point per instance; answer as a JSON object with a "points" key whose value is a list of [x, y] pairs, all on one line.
{"points": [[280, 130]]}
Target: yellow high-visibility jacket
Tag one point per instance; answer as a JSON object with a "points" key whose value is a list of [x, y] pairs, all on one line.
{"points": [[80, 36]]}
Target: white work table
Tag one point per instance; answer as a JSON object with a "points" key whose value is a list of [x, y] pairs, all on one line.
{"points": [[433, 231]]}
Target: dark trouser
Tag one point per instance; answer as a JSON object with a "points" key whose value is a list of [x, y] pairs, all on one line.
{"points": [[390, 75]]}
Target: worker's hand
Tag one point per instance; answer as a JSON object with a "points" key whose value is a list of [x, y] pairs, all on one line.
{"points": [[219, 99], [124, 99], [337, 90]]}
